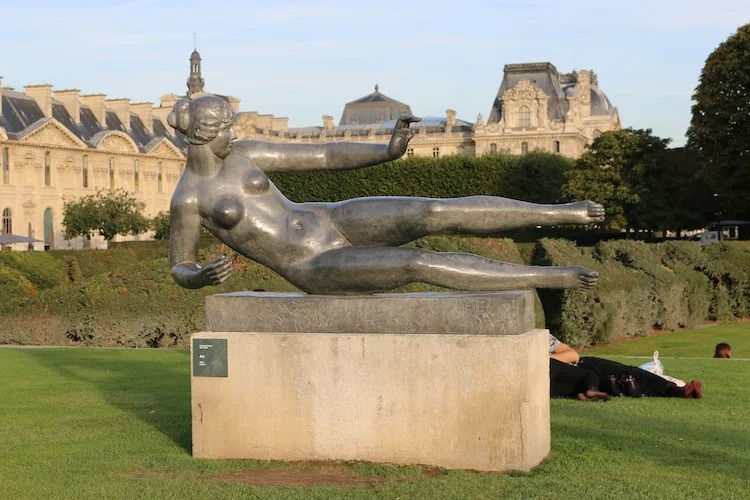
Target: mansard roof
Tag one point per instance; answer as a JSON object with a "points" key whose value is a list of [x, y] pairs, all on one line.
{"points": [[557, 86], [21, 114]]}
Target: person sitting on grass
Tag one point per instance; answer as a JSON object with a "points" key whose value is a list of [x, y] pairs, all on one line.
{"points": [[612, 378], [723, 350]]}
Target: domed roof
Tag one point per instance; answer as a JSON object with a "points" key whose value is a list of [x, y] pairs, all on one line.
{"points": [[373, 108]]}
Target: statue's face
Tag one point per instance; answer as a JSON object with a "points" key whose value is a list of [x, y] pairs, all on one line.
{"points": [[222, 143]]}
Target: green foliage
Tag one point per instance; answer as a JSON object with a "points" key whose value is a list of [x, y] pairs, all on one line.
{"points": [[107, 213], [534, 177], [720, 123], [629, 171], [14, 286], [39, 268], [125, 296], [619, 306], [160, 225]]}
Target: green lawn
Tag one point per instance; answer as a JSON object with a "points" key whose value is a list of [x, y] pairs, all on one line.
{"points": [[98, 423]]}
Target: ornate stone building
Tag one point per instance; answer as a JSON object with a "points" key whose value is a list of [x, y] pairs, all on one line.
{"points": [[536, 108], [59, 144]]}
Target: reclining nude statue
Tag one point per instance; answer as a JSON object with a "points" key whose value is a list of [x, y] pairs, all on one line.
{"points": [[346, 247]]}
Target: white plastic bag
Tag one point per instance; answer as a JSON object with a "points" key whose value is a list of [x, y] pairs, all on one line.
{"points": [[654, 366]]}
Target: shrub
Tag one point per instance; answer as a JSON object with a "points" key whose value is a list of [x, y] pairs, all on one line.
{"points": [[14, 286], [39, 268], [619, 306]]}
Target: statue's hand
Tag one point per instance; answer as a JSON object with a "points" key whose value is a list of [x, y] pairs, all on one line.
{"points": [[402, 134], [215, 272]]}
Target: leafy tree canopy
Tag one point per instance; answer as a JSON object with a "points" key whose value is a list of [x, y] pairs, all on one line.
{"points": [[107, 213], [720, 127]]}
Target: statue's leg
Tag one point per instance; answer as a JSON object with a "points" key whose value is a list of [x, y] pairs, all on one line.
{"points": [[392, 221], [364, 270]]}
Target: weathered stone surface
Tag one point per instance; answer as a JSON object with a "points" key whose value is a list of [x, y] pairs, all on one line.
{"points": [[476, 313], [456, 401]]}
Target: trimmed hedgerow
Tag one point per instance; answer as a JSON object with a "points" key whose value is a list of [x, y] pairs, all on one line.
{"points": [[536, 177], [14, 287], [621, 305], [39, 268], [126, 297]]}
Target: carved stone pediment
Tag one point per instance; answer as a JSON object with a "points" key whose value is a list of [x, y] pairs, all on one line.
{"points": [[166, 149], [523, 91], [118, 143], [53, 134]]}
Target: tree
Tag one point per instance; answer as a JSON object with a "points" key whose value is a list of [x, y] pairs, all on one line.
{"points": [[107, 213], [160, 224], [629, 171], [720, 127]]}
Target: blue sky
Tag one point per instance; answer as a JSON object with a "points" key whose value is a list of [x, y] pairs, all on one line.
{"points": [[306, 59]]}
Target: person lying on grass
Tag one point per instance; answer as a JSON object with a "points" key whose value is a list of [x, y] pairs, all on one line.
{"points": [[586, 378]]}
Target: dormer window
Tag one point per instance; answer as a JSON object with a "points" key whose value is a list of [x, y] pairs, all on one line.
{"points": [[524, 117]]}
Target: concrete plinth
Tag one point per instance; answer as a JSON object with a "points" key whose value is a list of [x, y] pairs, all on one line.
{"points": [[454, 400]]}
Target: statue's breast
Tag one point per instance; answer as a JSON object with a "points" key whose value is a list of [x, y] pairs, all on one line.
{"points": [[227, 212], [255, 181]]}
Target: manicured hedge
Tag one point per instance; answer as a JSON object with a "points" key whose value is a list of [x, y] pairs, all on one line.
{"points": [[39, 268], [536, 177], [126, 297]]}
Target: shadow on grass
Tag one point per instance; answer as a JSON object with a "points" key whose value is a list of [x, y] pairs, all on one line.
{"points": [[152, 385]]}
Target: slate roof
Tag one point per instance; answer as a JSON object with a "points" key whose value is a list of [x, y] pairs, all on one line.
{"points": [[373, 108], [21, 115], [557, 86]]}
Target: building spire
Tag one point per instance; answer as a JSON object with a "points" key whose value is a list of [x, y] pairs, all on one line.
{"points": [[195, 80]]}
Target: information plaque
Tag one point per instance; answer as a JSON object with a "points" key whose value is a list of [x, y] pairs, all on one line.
{"points": [[210, 358]]}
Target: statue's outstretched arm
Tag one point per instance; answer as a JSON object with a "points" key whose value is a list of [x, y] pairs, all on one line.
{"points": [[285, 157], [184, 234]]}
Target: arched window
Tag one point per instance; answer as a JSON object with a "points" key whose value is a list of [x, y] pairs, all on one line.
{"points": [[409, 151], [85, 172], [111, 173], [47, 169], [524, 116], [556, 146], [7, 221], [436, 152], [6, 167], [158, 177], [596, 133], [524, 147], [493, 148], [136, 181]]}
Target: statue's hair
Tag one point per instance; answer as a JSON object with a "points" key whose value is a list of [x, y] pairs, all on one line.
{"points": [[200, 119]]}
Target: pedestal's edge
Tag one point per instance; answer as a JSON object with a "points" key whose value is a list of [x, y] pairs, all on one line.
{"points": [[374, 296], [487, 313]]}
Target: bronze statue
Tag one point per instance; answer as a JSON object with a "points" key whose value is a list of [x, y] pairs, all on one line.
{"points": [[347, 247]]}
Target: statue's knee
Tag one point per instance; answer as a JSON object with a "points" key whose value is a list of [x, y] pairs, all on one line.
{"points": [[416, 263], [435, 207]]}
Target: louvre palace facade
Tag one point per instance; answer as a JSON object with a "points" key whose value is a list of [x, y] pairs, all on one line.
{"points": [[60, 144]]}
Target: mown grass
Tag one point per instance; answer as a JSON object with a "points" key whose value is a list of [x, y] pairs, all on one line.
{"points": [[694, 343], [115, 423]]}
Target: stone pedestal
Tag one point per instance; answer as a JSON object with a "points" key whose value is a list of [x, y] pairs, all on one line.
{"points": [[456, 380]]}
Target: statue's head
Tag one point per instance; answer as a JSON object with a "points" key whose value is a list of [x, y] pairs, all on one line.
{"points": [[205, 120]]}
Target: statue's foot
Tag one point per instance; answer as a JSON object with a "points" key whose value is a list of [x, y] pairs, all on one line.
{"points": [[581, 212], [569, 277]]}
